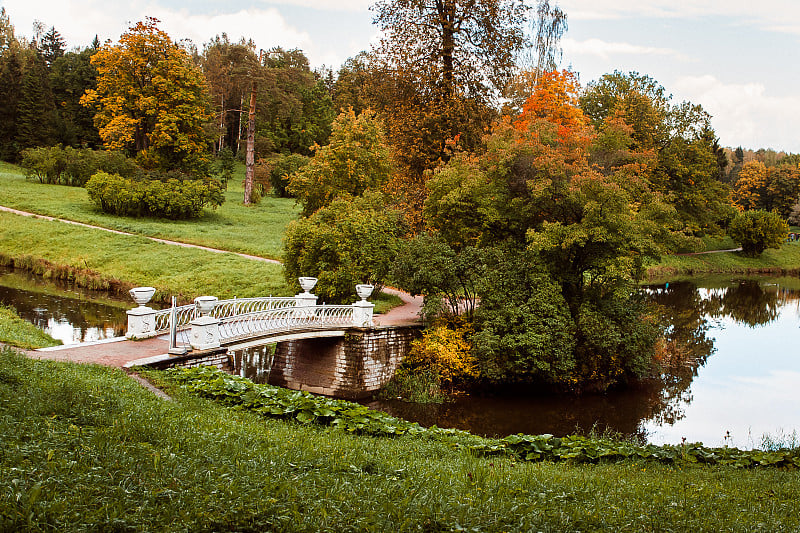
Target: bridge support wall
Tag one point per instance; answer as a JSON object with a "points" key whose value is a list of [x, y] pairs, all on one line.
{"points": [[351, 367]]}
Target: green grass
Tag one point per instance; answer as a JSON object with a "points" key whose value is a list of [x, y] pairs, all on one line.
{"points": [[256, 230], [17, 331], [784, 260], [99, 259], [86, 448]]}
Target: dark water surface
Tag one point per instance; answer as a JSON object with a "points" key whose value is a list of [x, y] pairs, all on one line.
{"points": [[67, 313], [738, 380]]}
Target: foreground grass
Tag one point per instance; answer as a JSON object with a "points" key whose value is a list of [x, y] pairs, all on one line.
{"points": [[99, 259], [256, 230], [17, 331], [786, 260], [85, 448]]}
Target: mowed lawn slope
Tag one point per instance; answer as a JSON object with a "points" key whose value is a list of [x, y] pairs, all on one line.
{"points": [[86, 448], [256, 230]]}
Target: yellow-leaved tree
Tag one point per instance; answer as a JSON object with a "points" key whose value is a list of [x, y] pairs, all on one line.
{"points": [[151, 100]]}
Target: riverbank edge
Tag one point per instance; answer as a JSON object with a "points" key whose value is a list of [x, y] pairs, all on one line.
{"points": [[665, 273]]}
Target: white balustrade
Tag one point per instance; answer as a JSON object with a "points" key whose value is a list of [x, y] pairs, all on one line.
{"points": [[238, 318]]}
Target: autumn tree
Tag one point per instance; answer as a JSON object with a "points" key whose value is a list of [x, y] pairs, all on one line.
{"points": [[688, 157], [563, 245], [555, 99], [751, 187], [769, 188], [228, 68], [151, 100], [356, 159], [437, 74]]}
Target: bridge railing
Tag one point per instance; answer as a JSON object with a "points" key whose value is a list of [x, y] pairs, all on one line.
{"points": [[184, 314], [208, 322], [284, 320]]}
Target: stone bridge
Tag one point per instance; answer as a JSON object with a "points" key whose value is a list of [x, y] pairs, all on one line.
{"points": [[334, 350]]}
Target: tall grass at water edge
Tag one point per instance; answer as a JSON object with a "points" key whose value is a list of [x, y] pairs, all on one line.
{"points": [[103, 260], [85, 448]]}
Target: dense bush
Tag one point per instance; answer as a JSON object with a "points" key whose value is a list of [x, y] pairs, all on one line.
{"points": [[525, 331], [169, 197], [351, 241], [446, 352], [281, 167], [758, 230], [73, 166]]}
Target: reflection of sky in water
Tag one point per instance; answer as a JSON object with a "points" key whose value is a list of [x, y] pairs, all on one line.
{"points": [[67, 333], [750, 386]]}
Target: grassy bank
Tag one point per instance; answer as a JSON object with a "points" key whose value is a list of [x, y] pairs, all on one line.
{"points": [[102, 260], [786, 260], [256, 230], [87, 448], [17, 331]]}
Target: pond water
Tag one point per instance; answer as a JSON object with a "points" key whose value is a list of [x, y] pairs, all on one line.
{"points": [[738, 378], [65, 312]]}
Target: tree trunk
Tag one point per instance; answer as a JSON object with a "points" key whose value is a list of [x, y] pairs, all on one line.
{"points": [[249, 160], [221, 142]]}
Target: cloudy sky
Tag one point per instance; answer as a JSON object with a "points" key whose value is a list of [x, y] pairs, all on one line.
{"points": [[737, 58]]}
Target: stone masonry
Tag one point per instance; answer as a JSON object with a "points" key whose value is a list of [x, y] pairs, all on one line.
{"points": [[351, 367]]}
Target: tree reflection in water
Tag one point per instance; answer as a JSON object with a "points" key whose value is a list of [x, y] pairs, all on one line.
{"points": [[660, 400]]}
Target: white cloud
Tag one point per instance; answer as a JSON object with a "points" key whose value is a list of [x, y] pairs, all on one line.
{"points": [[771, 15], [605, 49], [327, 5], [745, 114], [265, 26]]}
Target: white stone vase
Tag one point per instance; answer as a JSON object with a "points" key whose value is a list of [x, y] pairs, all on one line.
{"points": [[307, 283], [364, 291], [142, 295], [205, 304]]}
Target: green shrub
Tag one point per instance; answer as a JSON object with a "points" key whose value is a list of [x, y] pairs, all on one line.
{"points": [[73, 166], [169, 197], [758, 230], [349, 242], [281, 167]]}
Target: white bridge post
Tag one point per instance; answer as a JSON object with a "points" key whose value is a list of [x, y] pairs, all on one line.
{"points": [[205, 328], [363, 310], [305, 299], [141, 320]]}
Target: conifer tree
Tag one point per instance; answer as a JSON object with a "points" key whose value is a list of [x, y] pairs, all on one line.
{"points": [[35, 111]]}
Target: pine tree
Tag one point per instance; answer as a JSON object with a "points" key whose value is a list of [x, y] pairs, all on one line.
{"points": [[10, 87], [35, 111], [52, 46]]}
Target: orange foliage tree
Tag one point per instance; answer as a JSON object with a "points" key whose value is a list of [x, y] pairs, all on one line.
{"points": [[151, 100]]}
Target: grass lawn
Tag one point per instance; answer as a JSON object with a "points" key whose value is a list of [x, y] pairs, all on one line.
{"points": [[784, 260], [96, 258], [256, 230], [17, 331], [86, 448]]}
